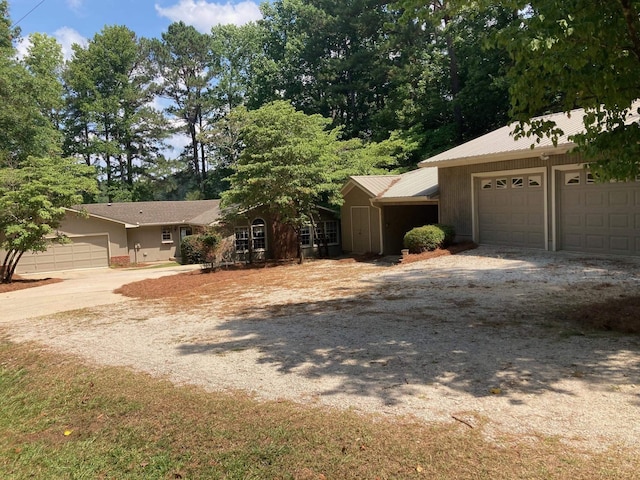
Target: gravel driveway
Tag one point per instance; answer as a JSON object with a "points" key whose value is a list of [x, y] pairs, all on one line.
{"points": [[477, 338]]}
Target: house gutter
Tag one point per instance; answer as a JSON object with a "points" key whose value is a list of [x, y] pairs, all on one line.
{"points": [[498, 157]]}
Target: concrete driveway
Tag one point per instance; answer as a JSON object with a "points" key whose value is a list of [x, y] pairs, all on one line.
{"points": [[79, 289]]}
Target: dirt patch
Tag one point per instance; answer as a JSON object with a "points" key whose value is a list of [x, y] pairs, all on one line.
{"points": [[20, 283], [617, 314]]}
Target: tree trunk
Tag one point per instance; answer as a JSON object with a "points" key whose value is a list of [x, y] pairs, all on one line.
{"points": [[8, 268]]}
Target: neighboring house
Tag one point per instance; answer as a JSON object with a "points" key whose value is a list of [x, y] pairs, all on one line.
{"points": [[498, 190], [379, 209], [104, 234]]}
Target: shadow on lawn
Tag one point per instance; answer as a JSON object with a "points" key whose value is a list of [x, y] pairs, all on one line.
{"points": [[466, 330]]}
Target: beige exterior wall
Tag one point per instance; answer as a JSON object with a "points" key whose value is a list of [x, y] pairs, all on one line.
{"points": [[359, 216], [455, 187], [151, 248], [75, 225]]}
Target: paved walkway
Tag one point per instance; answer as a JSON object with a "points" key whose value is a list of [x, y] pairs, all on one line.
{"points": [[79, 289]]}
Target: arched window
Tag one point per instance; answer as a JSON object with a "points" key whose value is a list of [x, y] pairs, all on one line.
{"points": [[259, 234]]}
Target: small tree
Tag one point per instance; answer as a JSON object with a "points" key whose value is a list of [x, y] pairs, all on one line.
{"points": [[285, 167], [33, 199]]}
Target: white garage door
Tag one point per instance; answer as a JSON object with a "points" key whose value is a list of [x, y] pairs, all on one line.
{"points": [[82, 252], [510, 210], [598, 217]]}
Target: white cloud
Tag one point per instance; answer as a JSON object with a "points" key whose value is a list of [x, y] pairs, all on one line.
{"points": [[75, 4], [22, 47], [67, 37], [204, 15]]}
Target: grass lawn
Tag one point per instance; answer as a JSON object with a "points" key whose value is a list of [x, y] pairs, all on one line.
{"points": [[60, 418]]}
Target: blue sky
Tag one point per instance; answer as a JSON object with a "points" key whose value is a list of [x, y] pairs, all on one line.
{"points": [[75, 21]]}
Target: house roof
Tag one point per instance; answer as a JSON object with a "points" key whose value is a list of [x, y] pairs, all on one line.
{"points": [[421, 184], [132, 214], [417, 183], [501, 145]]}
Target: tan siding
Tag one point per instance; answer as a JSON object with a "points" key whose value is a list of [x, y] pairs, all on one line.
{"points": [[151, 247], [355, 198], [77, 225], [455, 187]]}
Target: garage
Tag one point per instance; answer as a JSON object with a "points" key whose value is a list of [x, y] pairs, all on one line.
{"points": [[597, 217], [83, 252], [511, 209]]}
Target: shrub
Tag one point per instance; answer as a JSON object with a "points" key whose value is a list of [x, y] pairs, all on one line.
{"points": [[429, 237], [200, 248], [449, 233], [189, 249]]}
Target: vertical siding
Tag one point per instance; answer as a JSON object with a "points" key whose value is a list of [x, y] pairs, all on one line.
{"points": [[455, 187], [358, 198]]}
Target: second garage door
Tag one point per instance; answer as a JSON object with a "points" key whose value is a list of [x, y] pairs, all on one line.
{"points": [[510, 210], [82, 252], [598, 217]]}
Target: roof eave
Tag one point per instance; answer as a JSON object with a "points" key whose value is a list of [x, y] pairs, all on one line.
{"points": [[502, 156], [404, 200]]}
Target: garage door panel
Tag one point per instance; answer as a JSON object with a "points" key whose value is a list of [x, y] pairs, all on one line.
{"points": [[619, 221], [592, 199], [619, 199], [605, 218], [594, 220], [512, 214], [82, 252], [620, 244]]}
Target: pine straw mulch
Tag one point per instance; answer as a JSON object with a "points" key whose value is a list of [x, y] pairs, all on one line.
{"points": [[242, 277], [20, 283]]}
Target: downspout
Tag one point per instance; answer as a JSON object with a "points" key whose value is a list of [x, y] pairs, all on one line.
{"points": [[380, 227]]}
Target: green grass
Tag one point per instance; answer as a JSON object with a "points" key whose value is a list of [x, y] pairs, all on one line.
{"points": [[129, 425]]}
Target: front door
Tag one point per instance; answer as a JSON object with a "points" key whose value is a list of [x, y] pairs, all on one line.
{"points": [[360, 229]]}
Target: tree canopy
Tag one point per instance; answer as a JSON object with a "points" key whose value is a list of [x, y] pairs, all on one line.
{"points": [[579, 54]]}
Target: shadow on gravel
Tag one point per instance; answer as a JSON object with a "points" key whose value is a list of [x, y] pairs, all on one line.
{"points": [[468, 329]]}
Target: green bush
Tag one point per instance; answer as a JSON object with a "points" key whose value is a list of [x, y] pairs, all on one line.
{"points": [[200, 248], [428, 237], [190, 249], [449, 233]]}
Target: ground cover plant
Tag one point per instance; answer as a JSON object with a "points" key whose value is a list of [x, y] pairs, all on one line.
{"points": [[60, 418]]}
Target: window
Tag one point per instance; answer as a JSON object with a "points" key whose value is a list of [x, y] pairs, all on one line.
{"points": [[242, 239], [517, 182], [166, 235], [535, 181], [501, 183], [326, 233], [331, 232], [258, 234], [185, 231], [590, 178], [572, 178], [486, 184], [305, 236]]}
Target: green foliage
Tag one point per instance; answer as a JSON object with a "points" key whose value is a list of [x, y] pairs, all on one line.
{"points": [[428, 237], [285, 165], [449, 233], [33, 199], [579, 54], [200, 248]]}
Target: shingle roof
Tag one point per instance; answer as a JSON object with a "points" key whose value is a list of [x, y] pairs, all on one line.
{"points": [[375, 185], [417, 183], [501, 145], [422, 182], [195, 212]]}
